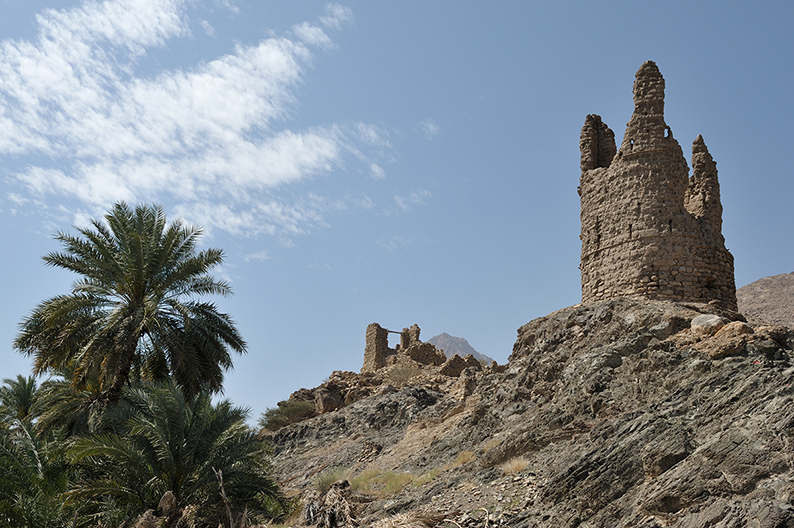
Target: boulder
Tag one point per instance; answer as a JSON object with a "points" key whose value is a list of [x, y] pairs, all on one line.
{"points": [[168, 505], [454, 366], [327, 397], [708, 324]]}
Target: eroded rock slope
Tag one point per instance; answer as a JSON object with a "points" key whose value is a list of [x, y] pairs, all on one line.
{"points": [[769, 299], [618, 413]]}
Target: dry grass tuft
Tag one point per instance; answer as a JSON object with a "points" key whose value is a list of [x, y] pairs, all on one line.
{"points": [[490, 444], [464, 457], [324, 480], [380, 483], [514, 465]]}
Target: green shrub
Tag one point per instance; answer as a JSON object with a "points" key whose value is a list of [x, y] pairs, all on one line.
{"points": [[285, 413], [380, 483], [323, 481]]}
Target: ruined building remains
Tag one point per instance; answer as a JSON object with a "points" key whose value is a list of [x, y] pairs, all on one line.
{"points": [[649, 230], [377, 353]]}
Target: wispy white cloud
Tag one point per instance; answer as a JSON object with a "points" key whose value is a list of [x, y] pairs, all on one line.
{"points": [[312, 35], [377, 172], [208, 29], [395, 243], [212, 138], [373, 135], [18, 199], [336, 15], [227, 4], [365, 202], [257, 256], [430, 128], [416, 197]]}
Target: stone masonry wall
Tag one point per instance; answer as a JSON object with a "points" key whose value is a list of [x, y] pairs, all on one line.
{"points": [[376, 349], [648, 229], [409, 336], [377, 353]]}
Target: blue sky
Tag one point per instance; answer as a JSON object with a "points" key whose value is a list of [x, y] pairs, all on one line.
{"points": [[404, 162]]}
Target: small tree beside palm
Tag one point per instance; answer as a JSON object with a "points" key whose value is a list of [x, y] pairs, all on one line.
{"points": [[19, 401], [33, 468]]}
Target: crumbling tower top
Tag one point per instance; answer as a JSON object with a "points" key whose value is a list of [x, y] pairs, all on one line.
{"points": [[649, 90], [649, 230], [647, 124]]}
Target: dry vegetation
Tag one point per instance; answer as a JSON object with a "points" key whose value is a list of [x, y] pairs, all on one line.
{"points": [[514, 465]]}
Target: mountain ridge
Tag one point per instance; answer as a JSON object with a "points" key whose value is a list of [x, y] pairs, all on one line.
{"points": [[452, 345], [769, 299]]}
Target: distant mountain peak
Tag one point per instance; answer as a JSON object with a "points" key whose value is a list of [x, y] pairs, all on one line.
{"points": [[452, 345]]}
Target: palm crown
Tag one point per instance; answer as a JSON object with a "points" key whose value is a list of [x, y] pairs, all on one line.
{"points": [[135, 311]]}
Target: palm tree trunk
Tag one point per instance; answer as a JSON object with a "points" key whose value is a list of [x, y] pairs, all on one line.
{"points": [[219, 475], [119, 380]]}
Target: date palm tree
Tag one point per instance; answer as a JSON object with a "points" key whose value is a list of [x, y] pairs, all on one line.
{"points": [[35, 474], [19, 401], [135, 310], [74, 411], [173, 444]]}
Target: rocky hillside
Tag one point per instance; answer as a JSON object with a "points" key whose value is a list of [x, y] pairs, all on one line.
{"points": [[452, 345], [613, 414], [770, 299]]}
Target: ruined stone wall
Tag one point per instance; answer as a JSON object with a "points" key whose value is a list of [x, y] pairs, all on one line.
{"points": [[648, 229], [409, 336], [377, 353], [425, 354], [376, 349]]}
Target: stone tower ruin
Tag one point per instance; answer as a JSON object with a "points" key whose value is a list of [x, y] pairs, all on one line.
{"points": [[649, 230]]}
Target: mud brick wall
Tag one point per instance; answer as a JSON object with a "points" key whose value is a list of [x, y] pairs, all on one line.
{"points": [[376, 349], [649, 230]]}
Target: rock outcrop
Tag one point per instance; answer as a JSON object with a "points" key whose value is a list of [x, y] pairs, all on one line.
{"points": [[650, 231], [616, 413], [411, 362]]}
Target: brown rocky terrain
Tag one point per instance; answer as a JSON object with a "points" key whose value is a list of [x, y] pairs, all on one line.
{"points": [[610, 414], [770, 299]]}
